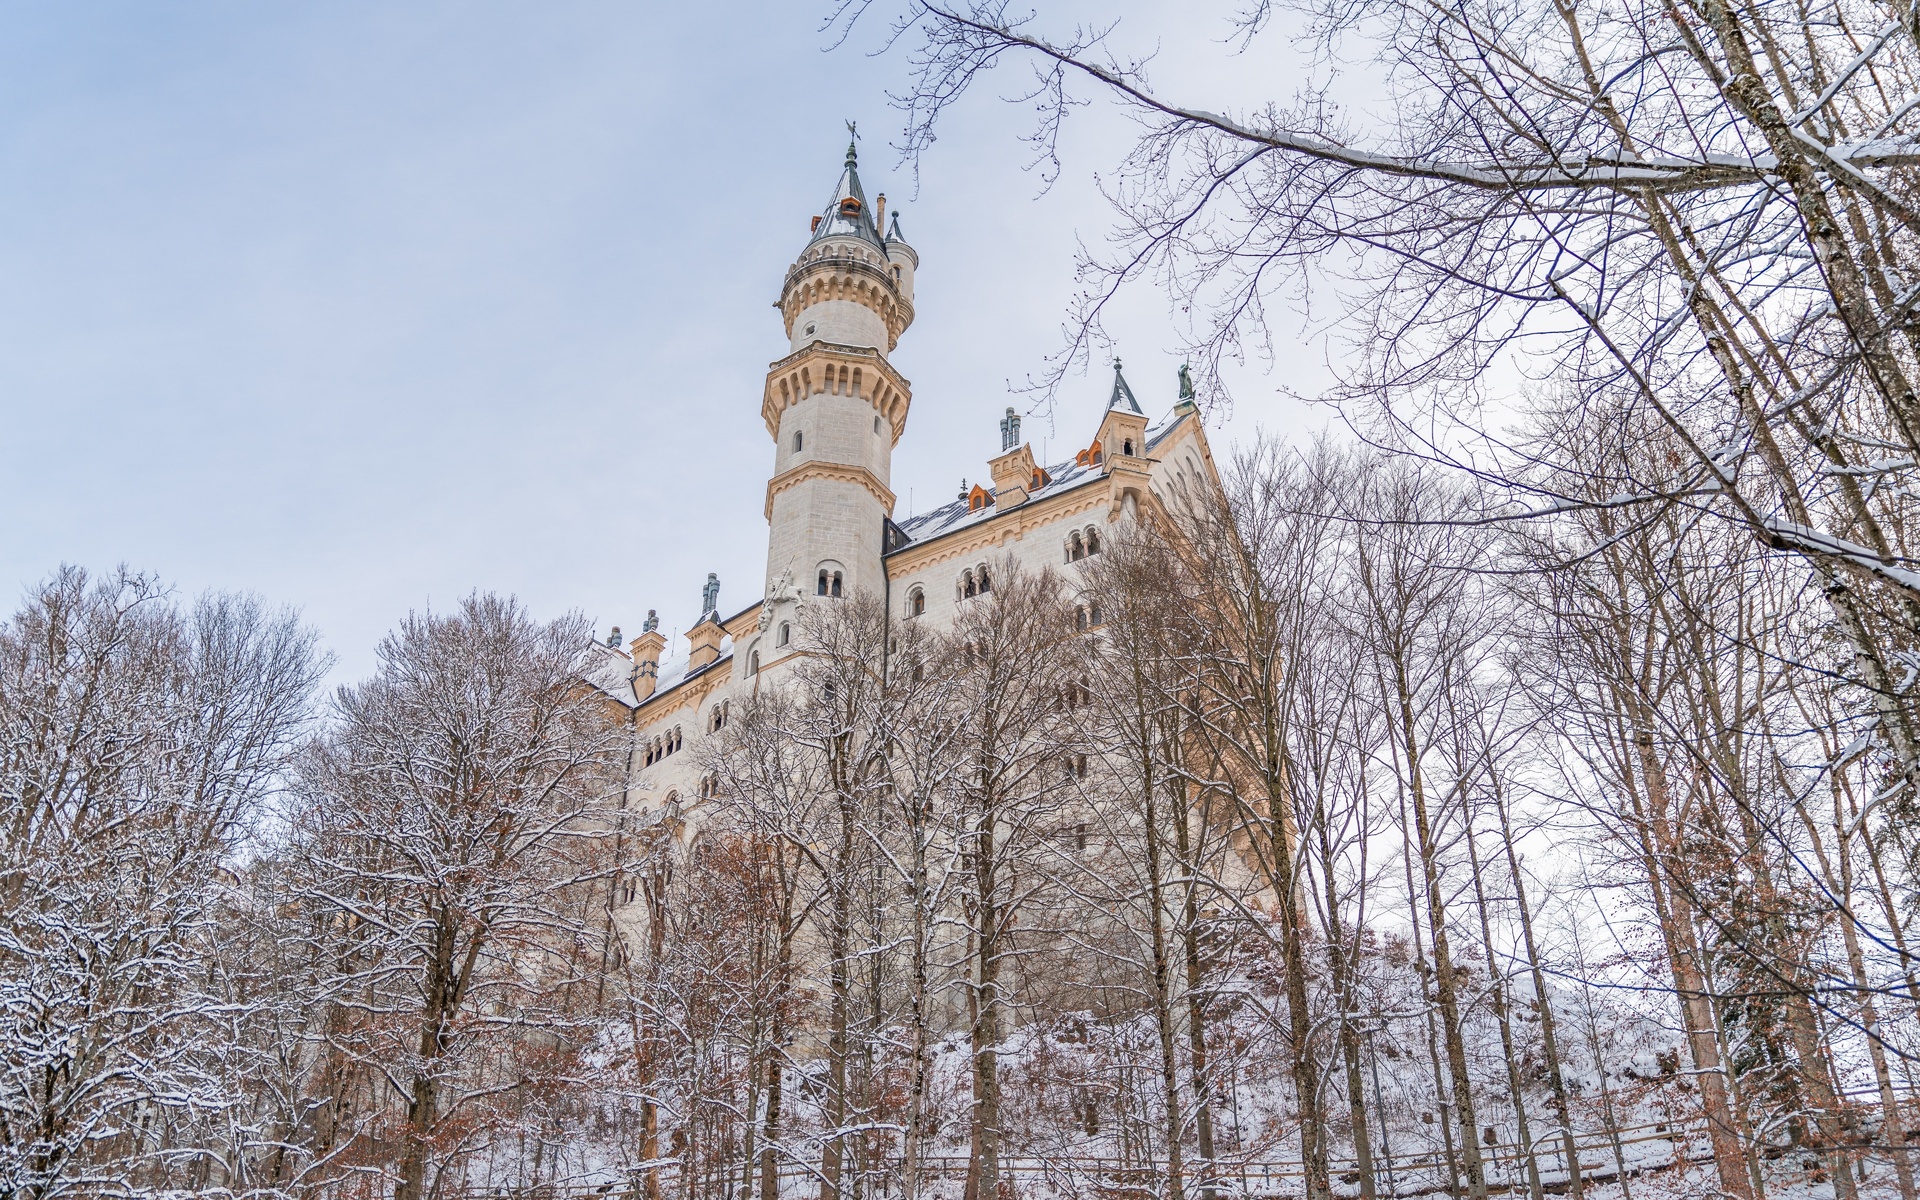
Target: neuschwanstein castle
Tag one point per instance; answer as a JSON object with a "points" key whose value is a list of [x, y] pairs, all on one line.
{"points": [[835, 408]]}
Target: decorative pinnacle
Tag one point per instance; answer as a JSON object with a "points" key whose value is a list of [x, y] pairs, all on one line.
{"points": [[853, 136]]}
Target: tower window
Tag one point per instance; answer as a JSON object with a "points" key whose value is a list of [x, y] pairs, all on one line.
{"points": [[876, 424], [1126, 447], [820, 585], [799, 439], [786, 634], [835, 593]]}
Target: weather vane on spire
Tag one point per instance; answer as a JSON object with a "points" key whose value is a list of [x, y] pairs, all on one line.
{"points": [[853, 137]]}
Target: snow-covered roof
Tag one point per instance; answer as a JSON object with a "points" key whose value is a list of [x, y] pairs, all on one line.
{"points": [[848, 214], [1064, 477], [610, 671]]}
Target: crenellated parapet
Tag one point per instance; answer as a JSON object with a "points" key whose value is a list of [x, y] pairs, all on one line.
{"points": [[825, 368], [850, 273]]}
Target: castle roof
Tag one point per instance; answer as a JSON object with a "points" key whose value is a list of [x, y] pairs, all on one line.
{"points": [[1064, 477], [848, 214]]}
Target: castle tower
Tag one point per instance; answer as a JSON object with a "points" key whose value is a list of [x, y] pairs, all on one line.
{"points": [[834, 405]]}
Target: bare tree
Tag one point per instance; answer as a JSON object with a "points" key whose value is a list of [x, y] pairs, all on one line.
{"points": [[450, 824], [138, 744]]}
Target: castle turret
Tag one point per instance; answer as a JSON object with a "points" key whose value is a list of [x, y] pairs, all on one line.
{"points": [[834, 405]]}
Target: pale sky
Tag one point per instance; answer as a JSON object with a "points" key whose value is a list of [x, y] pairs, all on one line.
{"points": [[360, 307]]}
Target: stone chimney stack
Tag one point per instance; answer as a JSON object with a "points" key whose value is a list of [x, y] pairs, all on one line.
{"points": [[646, 656]]}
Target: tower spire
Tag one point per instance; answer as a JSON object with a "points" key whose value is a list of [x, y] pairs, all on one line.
{"points": [[1122, 398]]}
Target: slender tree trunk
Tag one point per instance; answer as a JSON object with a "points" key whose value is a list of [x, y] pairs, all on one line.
{"points": [[1196, 1000], [1674, 911], [1445, 989], [983, 1166], [1549, 1040], [1497, 995], [1162, 970]]}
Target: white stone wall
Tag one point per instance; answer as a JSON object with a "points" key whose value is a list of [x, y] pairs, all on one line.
{"points": [[845, 322]]}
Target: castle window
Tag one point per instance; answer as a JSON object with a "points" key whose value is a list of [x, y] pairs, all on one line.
{"points": [[1126, 447], [916, 602], [876, 424], [967, 586], [820, 586], [799, 439], [1093, 542], [1076, 547], [717, 718], [786, 634], [986, 581], [835, 593], [1080, 619], [753, 663], [1093, 614]]}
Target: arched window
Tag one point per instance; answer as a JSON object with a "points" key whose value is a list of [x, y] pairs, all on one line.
{"points": [[1080, 618], [1076, 547], [753, 663], [786, 634], [967, 585], [1093, 614], [1093, 542], [1126, 447], [876, 424], [820, 589], [799, 439], [986, 580], [835, 592], [916, 602]]}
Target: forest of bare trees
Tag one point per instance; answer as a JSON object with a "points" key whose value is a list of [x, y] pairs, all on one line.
{"points": [[1510, 792]]}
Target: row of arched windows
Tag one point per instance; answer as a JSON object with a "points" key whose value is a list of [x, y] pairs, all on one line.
{"points": [[828, 583], [667, 743], [1083, 543], [1086, 616]]}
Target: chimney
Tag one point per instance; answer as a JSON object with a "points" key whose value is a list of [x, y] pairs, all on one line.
{"points": [[704, 642], [646, 656], [1013, 470], [706, 632], [613, 639]]}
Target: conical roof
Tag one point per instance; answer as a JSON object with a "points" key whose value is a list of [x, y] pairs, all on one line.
{"points": [[848, 214], [1122, 398]]}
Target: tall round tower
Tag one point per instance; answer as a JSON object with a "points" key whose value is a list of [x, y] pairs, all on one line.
{"points": [[834, 405]]}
